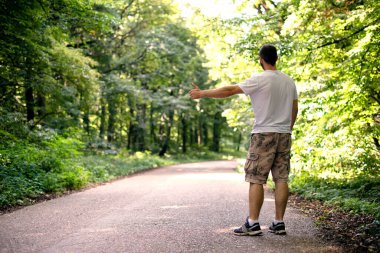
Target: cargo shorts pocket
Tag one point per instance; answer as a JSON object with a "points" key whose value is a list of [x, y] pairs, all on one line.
{"points": [[251, 164]]}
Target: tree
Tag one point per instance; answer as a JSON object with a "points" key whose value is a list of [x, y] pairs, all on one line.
{"points": [[329, 47], [56, 79]]}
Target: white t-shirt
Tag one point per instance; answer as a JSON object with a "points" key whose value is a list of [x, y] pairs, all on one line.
{"points": [[272, 93]]}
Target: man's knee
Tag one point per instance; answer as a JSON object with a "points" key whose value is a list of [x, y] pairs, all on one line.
{"points": [[280, 182]]}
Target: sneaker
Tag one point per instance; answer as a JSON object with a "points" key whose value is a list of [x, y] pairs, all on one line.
{"points": [[246, 229], [278, 229]]}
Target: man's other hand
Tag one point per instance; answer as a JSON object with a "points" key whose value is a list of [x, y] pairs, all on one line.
{"points": [[195, 93]]}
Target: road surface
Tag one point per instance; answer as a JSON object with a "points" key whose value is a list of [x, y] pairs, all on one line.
{"points": [[181, 208]]}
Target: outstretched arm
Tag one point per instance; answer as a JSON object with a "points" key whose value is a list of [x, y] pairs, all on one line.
{"points": [[222, 92]]}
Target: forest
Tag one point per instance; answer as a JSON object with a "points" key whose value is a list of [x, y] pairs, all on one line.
{"points": [[91, 90]]}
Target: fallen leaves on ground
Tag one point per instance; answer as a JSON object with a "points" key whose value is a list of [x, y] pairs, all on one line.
{"points": [[355, 232]]}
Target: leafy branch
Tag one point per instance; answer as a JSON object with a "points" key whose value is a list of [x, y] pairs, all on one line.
{"points": [[336, 41]]}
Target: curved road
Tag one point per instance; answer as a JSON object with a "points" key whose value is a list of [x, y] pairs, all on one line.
{"points": [[181, 208]]}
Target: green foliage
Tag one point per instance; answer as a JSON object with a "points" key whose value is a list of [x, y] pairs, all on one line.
{"points": [[67, 178], [359, 194], [28, 168]]}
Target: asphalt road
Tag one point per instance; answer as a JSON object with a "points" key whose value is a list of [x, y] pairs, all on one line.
{"points": [[182, 208]]}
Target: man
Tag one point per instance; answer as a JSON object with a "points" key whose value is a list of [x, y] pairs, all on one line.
{"points": [[275, 104]]}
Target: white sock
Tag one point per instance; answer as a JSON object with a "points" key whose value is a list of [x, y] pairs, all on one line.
{"points": [[277, 221], [251, 222]]}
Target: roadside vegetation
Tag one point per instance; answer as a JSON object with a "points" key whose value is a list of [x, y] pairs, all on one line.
{"points": [[52, 164]]}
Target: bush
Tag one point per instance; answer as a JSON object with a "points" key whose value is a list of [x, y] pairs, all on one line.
{"points": [[27, 168], [358, 194], [69, 178]]}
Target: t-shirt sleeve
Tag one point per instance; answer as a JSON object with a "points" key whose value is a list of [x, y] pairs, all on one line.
{"points": [[250, 85], [295, 96]]}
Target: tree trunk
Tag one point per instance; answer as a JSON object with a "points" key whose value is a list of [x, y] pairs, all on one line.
{"points": [[103, 114], [132, 126], [216, 132], [85, 114], [86, 121], [29, 103], [3, 90], [238, 142], [41, 104], [179, 131], [184, 133], [130, 133], [199, 131], [195, 134], [204, 133], [165, 146], [141, 122], [191, 138], [152, 125], [140, 130], [111, 119], [29, 98]]}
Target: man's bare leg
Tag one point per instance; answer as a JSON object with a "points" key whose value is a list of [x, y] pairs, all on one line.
{"points": [[256, 199], [281, 199]]}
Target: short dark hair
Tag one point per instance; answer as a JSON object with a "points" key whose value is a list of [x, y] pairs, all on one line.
{"points": [[269, 54]]}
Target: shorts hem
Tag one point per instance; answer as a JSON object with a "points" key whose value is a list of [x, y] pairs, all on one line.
{"points": [[255, 181]]}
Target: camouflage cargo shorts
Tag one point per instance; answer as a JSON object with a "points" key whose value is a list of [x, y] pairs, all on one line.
{"points": [[268, 152]]}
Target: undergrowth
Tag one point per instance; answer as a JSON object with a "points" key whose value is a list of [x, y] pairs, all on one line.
{"points": [[359, 194], [45, 163]]}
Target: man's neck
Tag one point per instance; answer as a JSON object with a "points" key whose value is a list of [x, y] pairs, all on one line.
{"points": [[269, 67]]}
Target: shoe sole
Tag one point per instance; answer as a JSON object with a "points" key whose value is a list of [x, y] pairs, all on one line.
{"points": [[254, 233], [279, 232]]}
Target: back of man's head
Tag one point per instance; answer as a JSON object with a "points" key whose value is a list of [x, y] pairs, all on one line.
{"points": [[269, 54]]}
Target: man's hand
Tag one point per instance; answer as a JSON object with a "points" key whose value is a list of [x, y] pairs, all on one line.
{"points": [[195, 93]]}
